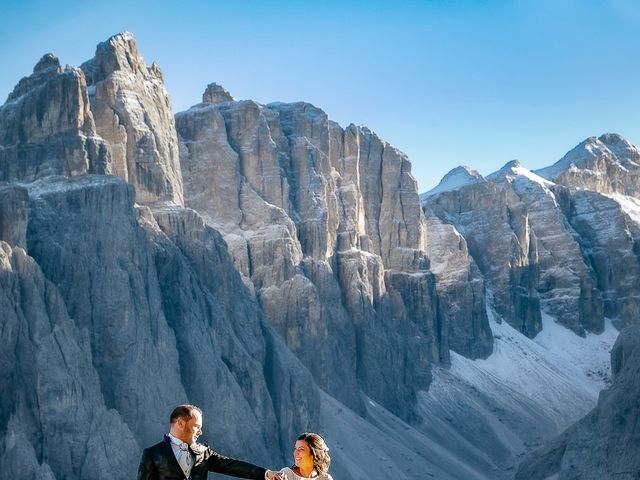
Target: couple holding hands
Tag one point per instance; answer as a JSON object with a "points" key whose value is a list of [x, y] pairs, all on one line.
{"points": [[179, 457]]}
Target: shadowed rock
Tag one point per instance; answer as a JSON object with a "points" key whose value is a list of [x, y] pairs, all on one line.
{"points": [[495, 225], [606, 443], [51, 393], [46, 126]]}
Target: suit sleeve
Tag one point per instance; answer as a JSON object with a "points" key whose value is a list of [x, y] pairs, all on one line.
{"points": [[232, 467], [147, 469]]}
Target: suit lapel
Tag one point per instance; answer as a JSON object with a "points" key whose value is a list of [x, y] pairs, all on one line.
{"points": [[173, 461]]}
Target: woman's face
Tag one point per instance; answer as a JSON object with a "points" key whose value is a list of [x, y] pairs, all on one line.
{"points": [[302, 454]]}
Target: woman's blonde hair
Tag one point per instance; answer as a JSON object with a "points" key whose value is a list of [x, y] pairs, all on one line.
{"points": [[319, 451]]}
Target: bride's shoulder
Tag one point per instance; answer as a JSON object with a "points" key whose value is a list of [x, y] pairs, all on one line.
{"points": [[288, 473]]}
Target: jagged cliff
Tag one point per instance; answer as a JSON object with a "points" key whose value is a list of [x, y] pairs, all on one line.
{"points": [[46, 126], [132, 112], [325, 225]]}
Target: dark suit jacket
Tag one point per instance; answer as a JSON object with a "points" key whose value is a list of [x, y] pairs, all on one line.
{"points": [[159, 463]]}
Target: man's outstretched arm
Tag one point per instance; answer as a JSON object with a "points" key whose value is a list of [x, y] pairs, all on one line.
{"points": [[237, 468]]}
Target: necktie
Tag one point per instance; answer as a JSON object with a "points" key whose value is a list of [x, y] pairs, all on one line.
{"points": [[184, 459]]}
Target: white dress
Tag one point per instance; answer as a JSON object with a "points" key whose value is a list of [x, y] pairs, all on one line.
{"points": [[290, 475]]}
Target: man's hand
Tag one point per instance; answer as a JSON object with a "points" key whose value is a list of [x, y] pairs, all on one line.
{"points": [[271, 475]]}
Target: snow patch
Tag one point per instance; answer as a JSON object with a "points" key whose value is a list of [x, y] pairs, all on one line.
{"points": [[558, 370], [629, 205], [496, 410]]}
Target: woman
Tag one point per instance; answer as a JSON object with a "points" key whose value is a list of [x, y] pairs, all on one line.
{"points": [[311, 457]]}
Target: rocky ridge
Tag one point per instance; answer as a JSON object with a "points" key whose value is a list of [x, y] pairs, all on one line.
{"points": [[606, 164], [566, 251]]}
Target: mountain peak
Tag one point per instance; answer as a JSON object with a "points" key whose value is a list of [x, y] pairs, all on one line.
{"points": [[513, 170], [624, 151], [47, 62], [612, 139], [216, 94], [512, 165], [48, 66], [453, 180], [118, 53], [593, 154], [123, 49]]}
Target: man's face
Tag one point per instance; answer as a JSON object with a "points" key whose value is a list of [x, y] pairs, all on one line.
{"points": [[190, 428]]}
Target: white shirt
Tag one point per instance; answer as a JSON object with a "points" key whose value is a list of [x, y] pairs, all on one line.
{"points": [[291, 475], [183, 455]]}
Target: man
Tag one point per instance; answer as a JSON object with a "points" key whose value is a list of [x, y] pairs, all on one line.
{"points": [[179, 457]]}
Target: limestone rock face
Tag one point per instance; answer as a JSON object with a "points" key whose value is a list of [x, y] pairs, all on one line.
{"points": [[325, 224], [496, 227], [522, 236], [461, 291], [46, 126], [610, 240], [84, 235], [167, 319], [566, 287], [133, 113], [51, 393], [14, 206], [605, 443], [202, 292]]}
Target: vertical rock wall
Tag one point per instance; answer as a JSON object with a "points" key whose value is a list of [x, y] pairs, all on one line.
{"points": [[325, 224]]}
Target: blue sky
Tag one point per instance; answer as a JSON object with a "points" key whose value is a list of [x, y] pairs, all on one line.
{"points": [[450, 83]]}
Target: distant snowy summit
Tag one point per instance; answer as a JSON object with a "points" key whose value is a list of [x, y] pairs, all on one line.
{"points": [[513, 170], [608, 164], [594, 154], [455, 179]]}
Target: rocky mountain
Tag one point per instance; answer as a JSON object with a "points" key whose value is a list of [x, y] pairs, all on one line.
{"points": [[606, 164], [47, 126], [581, 217], [124, 284], [306, 226], [280, 271], [572, 250]]}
